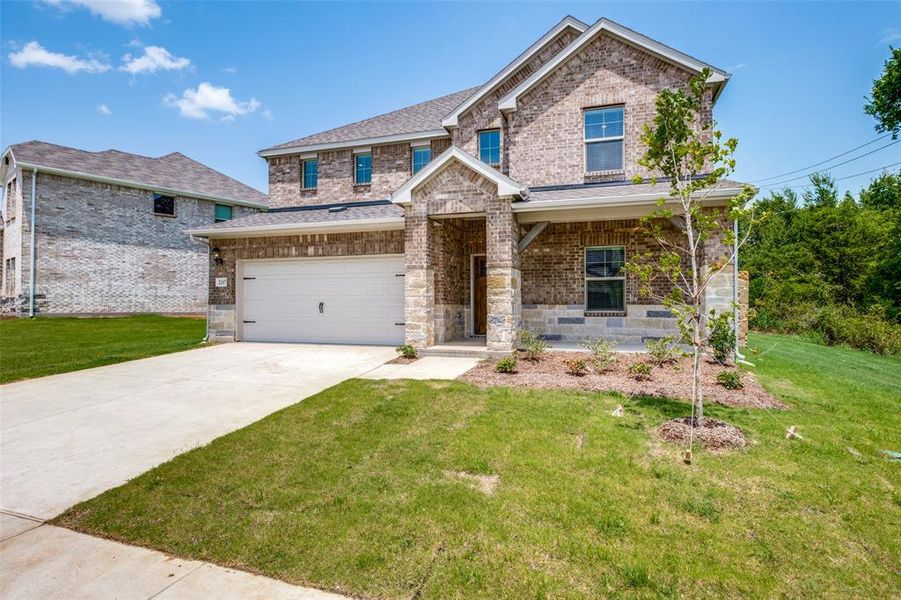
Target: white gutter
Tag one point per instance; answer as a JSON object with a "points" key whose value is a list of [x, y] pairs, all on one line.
{"points": [[31, 275], [370, 141], [602, 201], [382, 224], [142, 186]]}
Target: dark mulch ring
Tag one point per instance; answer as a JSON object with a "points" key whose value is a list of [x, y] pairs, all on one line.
{"points": [[713, 434], [667, 381]]}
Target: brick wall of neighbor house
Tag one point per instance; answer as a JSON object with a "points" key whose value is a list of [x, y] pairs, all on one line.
{"points": [[16, 243], [102, 250], [544, 138], [222, 300], [485, 114], [391, 167]]}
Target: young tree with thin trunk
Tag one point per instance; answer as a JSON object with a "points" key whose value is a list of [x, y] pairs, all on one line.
{"points": [[689, 153]]}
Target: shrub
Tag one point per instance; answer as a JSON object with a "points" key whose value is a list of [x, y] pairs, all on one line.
{"points": [[406, 350], [506, 365], [640, 371], [603, 353], [532, 344], [576, 366], [721, 337], [663, 350], [731, 380]]}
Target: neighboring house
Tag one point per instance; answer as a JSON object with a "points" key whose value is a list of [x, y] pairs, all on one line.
{"points": [[471, 215], [108, 230]]}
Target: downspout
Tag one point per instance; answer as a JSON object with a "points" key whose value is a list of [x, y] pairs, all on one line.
{"points": [[34, 201], [735, 306]]}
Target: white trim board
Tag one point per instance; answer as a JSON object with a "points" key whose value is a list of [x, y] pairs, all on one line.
{"points": [[451, 120], [350, 225], [718, 78], [370, 141]]}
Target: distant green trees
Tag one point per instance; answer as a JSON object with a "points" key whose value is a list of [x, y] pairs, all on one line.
{"points": [[828, 266]]}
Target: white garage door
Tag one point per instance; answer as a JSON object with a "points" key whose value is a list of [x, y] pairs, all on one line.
{"points": [[356, 300]]}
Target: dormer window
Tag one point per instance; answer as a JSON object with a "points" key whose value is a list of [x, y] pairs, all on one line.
{"points": [[490, 147], [603, 129]]}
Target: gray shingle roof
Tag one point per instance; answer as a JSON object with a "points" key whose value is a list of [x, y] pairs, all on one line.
{"points": [[425, 116], [173, 171], [324, 213]]}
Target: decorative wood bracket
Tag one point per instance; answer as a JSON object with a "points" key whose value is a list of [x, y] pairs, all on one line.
{"points": [[533, 233]]}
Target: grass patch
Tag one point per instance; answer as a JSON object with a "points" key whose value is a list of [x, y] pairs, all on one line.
{"points": [[44, 346], [357, 489]]}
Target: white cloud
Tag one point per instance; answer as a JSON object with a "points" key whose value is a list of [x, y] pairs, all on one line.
{"points": [[35, 55], [120, 12], [155, 58], [267, 114], [890, 35], [208, 99], [104, 110], [229, 70]]}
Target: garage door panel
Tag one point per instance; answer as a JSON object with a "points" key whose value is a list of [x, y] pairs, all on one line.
{"points": [[362, 300]]}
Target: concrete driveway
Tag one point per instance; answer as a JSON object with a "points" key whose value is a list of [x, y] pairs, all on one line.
{"points": [[66, 438]]}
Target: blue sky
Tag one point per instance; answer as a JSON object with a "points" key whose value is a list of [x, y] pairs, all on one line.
{"points": [[220, 80]]}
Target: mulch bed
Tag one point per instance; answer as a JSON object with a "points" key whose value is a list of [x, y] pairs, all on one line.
{"points": [[401, 360], [713, 434], [667, 381]]}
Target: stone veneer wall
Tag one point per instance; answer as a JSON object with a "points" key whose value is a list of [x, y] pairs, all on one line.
{"points": [[570, 323], [504, 276], [221, 312], [544, 140], [101, 250]]}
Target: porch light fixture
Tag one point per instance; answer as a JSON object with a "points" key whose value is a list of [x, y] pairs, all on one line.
{"points": [[217, 256]]}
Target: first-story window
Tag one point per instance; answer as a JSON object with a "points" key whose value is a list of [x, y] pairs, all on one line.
{"points": [[223, 213], [311, 174], [163, 205], [9, 277], [421, 157], [605, 280], [363, 168], [603, 128], [490, 147]]}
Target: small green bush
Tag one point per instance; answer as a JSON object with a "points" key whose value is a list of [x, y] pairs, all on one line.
{"points": [[662, 351], [721, 336], [731, 380], [506, 365], [576, 366], [640, 371], [603, 353], [406, 350], [533, 345]]}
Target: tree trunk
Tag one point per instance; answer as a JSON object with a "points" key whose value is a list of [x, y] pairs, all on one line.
{"points": [[697, 391]]}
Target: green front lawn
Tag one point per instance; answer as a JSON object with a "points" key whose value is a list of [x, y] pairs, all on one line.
{"points": [[44, 346], [358, 489]]}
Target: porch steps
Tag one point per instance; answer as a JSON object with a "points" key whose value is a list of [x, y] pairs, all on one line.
{"points": [[458, 350]]}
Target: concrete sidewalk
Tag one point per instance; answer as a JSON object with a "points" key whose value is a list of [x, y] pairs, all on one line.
{"points": [[43, 561], [428, 367]]}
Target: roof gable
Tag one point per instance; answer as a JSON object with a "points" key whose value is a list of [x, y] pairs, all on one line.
{"points": [[451, 120], [718, 78], [505, 185]]}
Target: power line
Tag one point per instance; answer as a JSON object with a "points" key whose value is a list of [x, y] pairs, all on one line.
{"points": [[839, 178], [779, 183], [823, 161]]}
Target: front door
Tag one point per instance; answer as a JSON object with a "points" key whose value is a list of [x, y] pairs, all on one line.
{"points": [[479, 295]]}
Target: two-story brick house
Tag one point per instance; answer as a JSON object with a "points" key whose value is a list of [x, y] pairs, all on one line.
{"points": [[103, 232], [470, 215]]}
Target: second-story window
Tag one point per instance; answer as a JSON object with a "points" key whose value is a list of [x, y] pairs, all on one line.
{"points": [[363, 168], [223, 212], [421, 157], [604, 139], [163, 205], [310, 174], [490, 147]]}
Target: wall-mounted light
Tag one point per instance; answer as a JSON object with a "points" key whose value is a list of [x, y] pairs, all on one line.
{"points": [[217, 256]]}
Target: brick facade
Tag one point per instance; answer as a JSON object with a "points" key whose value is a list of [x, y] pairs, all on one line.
{"points": [[544, 136], [101, 250]]}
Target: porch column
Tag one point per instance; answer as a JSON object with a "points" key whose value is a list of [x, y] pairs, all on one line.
{"points": [[419, 279], [718, 294], [504, 278]]}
